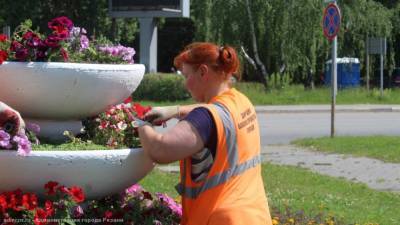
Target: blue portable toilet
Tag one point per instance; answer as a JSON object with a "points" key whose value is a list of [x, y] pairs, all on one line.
{"points": [[348, 72]]}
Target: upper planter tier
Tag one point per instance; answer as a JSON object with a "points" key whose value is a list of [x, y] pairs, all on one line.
{"points": [[59, 91]]}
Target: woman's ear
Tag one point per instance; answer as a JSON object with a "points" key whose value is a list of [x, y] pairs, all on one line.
{"points": [[203, 69]]}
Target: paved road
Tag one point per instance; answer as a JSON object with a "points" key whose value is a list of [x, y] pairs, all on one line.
{"points": [[282, 124], [281, 128]]}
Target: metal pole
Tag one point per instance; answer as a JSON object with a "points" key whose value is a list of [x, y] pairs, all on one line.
{"points": [[367, 62], [381, 75], [148, 44], [333, 85], [7, 31]]}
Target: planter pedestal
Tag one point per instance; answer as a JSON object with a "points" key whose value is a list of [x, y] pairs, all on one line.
{"points": [[54, 129]]}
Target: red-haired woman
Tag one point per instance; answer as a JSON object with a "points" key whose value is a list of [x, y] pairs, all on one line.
{"points": [[217, 142]]}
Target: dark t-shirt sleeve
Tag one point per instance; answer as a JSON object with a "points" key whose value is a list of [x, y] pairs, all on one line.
{"points": [[204, 123]]}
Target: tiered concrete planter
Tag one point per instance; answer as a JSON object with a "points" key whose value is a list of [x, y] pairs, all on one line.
{"points": [[99, 173], [57, 96]]}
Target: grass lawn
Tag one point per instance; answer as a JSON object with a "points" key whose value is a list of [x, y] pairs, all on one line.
{"points": [[385, 148], [301, 189], [296, 95]]}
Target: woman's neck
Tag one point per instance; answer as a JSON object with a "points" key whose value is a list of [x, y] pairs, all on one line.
{"points": [[215, 90]]}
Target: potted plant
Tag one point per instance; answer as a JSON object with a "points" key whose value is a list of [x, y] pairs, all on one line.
{"points": [[57, 96]]}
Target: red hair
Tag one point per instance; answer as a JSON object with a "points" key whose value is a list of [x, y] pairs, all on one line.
{"points": [[222, 59]]}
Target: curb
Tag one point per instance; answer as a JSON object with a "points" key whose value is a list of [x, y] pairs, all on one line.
{"points": [[327, 108]]}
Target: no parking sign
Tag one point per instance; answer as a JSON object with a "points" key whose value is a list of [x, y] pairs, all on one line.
{"points": [[331, 21]]}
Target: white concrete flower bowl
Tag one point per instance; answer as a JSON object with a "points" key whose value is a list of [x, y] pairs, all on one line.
{"points": [[66, 91], [98, 172]]}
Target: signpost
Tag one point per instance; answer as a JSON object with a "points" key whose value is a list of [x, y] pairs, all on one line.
{"points": [[331, 25], [146, 11], [376, 46]]}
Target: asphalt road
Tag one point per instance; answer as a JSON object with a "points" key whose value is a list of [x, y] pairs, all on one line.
{"points": [[281, 128]]}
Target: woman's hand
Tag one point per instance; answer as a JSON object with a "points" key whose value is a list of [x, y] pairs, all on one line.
{"points": [[10, 120], [158, 115]]}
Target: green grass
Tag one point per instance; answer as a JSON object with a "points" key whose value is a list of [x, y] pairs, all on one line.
{"points": [[301, 189], [295, 95], [385, 148], [68, 146]]}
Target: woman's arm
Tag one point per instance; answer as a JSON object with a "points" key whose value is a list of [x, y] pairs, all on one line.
{"points": [[181, 141], [184, 110]]}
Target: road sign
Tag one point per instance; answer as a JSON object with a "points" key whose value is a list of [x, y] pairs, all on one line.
{"points": [[376, 45], [331, 21]]}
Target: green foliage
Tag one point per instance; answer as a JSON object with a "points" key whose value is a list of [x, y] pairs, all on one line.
{"points": [[161, 87], [290, 32]]}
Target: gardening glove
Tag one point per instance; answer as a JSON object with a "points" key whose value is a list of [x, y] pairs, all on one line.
{"points": [[10, 120], [159, 115]]}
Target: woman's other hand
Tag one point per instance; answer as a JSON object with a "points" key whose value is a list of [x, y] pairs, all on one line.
{"points": [[10, 120]]}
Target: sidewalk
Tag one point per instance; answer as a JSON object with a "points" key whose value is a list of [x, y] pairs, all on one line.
{"points": [[374, 173], [326, 108]]}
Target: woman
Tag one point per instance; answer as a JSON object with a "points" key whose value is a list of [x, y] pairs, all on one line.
{"points": [[217, 142]]}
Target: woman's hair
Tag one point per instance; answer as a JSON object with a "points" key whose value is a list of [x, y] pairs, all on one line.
{"points": [[222, 59]]}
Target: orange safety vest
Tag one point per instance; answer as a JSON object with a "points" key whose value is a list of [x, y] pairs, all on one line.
{"points": [[233, 191]]}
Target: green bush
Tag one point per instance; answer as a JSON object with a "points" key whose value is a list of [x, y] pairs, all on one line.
{"points": [[161, 87]]}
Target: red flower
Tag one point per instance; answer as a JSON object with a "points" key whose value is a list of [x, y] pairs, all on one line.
{"points": [[40, 217], [3, 202], [52, 41], [48, 205], [51, 187], [3, 37], [108, 214], [63, 189], [77, 194], [3, 56], [64, 54], [141, 110], [29, 201], [128, 100], [60, 24], [15, 45]]}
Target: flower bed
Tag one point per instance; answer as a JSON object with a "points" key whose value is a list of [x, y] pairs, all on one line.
{"points": [[66, 42], [67, 205]]}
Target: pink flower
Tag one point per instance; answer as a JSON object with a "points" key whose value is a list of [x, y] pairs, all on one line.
{"points": [[134, 189], [168, 201], [5, 140], [78, 211], [33, 127], [24, 145]]}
